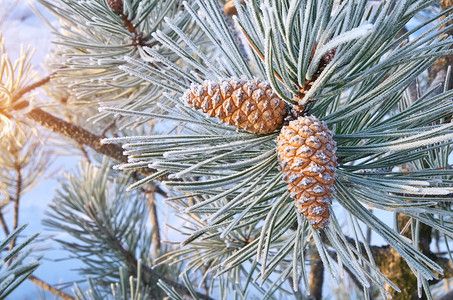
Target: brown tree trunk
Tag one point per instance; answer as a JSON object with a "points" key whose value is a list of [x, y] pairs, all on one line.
{"points": [[438, 71], [316, 277]]}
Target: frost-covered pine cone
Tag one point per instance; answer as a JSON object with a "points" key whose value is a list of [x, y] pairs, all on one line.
{"points": [[251, 105], [306, 153]]}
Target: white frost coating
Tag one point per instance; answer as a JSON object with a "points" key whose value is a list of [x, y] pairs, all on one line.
{"points": [[258, 94], [264, 85], [293, 177], [225, 87], [326, 176], [249, 88], [298, 162], [303, 149], [200, 90], [325, 199], [289, 148], [205, 105], [318, 189], [186, 97], [303, 200], [296, 140], [212, 87], [313, 139], [318, 210], [216, 99], [240, 95], [306, 181], [322, 156], [315, 168]]}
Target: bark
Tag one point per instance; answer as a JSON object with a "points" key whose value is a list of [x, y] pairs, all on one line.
{"points": [[316, 277], [50, 288], [80, 135], [438, 71], [395, 268], [447, 296], [151, 200]]}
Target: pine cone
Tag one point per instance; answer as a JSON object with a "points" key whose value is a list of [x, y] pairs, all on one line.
{"points": [[246, 104], [230, 9], [115, 5], [306, 152]]}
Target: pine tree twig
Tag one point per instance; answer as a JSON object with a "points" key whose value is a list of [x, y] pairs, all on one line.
{"points": [[4, 225], [29, 88], [437, 72], [150, 273], [35, 279], [85, 153], [316, 277], [50, 288], [16, 202], [80, 135], [138, 39], [152, 207]]}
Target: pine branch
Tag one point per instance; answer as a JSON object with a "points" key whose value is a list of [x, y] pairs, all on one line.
{"points": [[33, 278], [152, 207], [149, 273], [30, 88], [51, 289], [57, 125], [16, 203], [316, 277], [84, 153], [80, 135], [437, 72], [3, 222]]}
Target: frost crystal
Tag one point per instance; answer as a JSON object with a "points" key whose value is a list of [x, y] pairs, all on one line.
{"points": [[318, 189], [314, 168], [318, 210], [306, 181]]}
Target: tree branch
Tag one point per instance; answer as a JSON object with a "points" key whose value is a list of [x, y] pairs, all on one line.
{"points": [[3, 222], [29, 89], [316, 277], [16, 202], [50, 288], [80, 135], [152, 207], [150, 273]]}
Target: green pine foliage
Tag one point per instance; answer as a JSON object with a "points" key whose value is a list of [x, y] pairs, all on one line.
{"points": [[109, 227], [16, 264], [229, 181], [240, 235], [92, 41]]}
